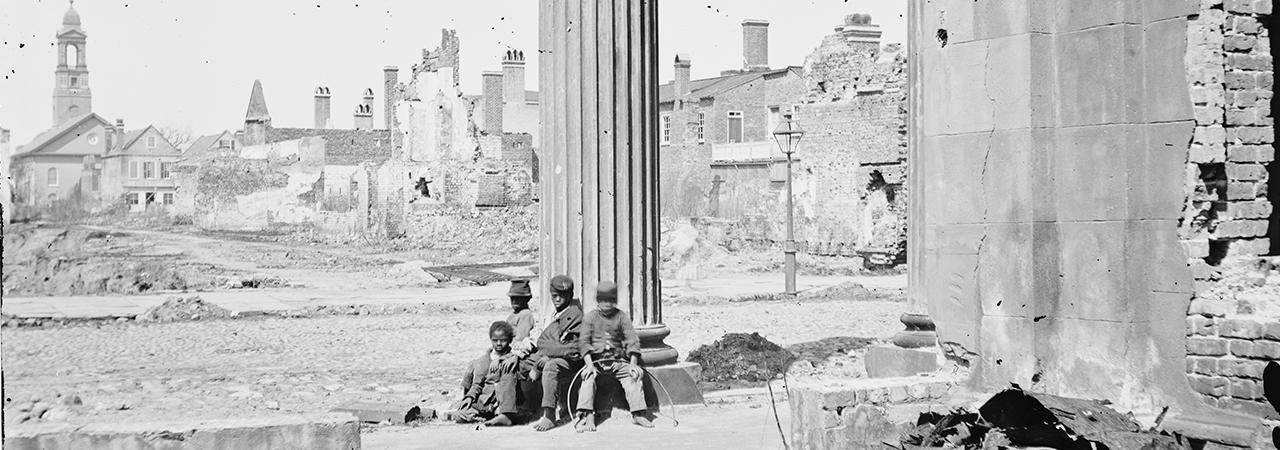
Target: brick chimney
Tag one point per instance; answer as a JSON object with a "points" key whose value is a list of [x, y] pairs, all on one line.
{"points": [[363, 117], [322, 108], [390, 85], [513, 76], [859, 32], [755, 45], [117, 139], [681, 84], [492, 90]]}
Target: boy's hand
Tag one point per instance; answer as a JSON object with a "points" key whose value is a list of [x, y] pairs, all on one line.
{"points": [[464, 403], [508, 363], [635, 371]]}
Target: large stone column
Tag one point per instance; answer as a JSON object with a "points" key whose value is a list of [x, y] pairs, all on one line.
{"points": [[598, 79]]}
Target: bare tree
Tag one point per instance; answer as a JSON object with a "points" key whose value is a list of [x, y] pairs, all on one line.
{"points": [[180, 137]]}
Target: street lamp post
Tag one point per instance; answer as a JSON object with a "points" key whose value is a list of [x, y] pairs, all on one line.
{"points": [[788, 135]]}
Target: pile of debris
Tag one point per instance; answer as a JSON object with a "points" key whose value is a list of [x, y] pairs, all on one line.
{"points": [[1014, 418], [182, 309], [741, 357]]}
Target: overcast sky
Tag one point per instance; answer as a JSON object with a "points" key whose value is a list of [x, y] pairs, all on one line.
{"points": [[191, 63]]}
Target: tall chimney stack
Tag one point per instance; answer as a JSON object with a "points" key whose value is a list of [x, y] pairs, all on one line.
{"points": [[322, 108], [363, 117], [859, 32], [492, 92], [117, 139], [681, 84], [755, 45], [513, 76], [390, 84]]}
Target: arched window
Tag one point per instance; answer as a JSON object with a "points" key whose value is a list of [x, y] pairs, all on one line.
{"points": [[53, 176], [73, 56]]}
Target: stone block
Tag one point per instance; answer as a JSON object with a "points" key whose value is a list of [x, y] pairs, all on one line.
{"points": [[1201, 270], [1208, 115], [1241, 228], [1240, 347], [1164, 85], [1011, 184], [1087, 189], [1265, 350], [956, 106], [1215, 386], [328, 431], [1099, 81], [1209, 96], [1198, 325], [1251, 153], [1204, 154], [1246, 172], [1082, 14], [1256, 409], [374, 412], [1211, 308], [680, 381], [1244, 389], [1207, 346], [1240, 328], [1202, 365], [1196, 248], [1245, 24], [1241, 80], [1248, 247], [1239, 6], [1264, 80], [1242, 117], [1238, 368], [1272, 332], [1245, 190], [892, 361], [1252, 135], [1262, 6], [897, 394], [1210, 135], [1238, 43]]}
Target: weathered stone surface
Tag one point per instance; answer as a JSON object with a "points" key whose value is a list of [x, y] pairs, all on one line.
{"points": [[328, 431], [893, 361], [1207, 346]]}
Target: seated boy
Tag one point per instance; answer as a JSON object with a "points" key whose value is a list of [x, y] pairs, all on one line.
{"points": [[610, 345], [492, 395], [557, 357], [521, 321]]}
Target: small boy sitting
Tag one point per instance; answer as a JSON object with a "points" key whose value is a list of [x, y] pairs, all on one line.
{"points": [[521, 321], [492, 395], [610, 345]]}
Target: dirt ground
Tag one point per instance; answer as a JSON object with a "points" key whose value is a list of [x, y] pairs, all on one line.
{"points": [[222, 368]]}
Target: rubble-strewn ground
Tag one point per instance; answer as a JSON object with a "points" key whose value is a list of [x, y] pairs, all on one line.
{"points": [[244, 367]]}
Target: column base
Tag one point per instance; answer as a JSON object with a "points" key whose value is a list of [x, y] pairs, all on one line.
{"points": [[886, 361], [919, 332], [654, 352]]}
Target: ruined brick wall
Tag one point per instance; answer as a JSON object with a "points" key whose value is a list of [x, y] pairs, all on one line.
{"points": [[1228, 211]]}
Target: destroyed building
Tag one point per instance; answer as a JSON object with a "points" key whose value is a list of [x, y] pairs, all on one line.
{"points": [[720, 157]]}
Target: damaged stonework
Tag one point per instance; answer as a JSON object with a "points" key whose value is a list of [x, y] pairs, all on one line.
{"points": [[445, 153], [1048, 176], [1233, 323]]}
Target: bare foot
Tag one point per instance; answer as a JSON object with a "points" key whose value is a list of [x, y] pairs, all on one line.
{"points": [[640, 419], [501, 420], [544, 424], [586, 422]]}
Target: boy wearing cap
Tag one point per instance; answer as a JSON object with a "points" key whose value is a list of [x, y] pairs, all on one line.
{"points": [[521, 321], [557, 357], [609, 344]]}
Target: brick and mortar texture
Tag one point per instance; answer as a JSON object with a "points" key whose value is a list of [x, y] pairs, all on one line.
{"points": [[1233, 326]]}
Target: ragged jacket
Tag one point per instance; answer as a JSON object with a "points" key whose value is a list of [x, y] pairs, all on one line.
{"points": [[560, 337]]}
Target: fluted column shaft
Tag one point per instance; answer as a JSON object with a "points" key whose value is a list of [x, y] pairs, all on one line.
{"points": [[600, 205]]}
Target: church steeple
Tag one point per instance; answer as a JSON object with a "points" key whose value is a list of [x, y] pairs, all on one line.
{"points": [[71, 95]]}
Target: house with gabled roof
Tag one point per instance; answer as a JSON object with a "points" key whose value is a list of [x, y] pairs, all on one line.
{"points": [[140, 169], [62, 163]]}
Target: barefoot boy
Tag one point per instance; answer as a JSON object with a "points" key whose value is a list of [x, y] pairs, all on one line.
{"points": [[521, 321], [492, 394], [557, 358], [610, 345]]}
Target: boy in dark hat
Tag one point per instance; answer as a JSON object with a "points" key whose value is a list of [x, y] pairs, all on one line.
{"points": [[492, 395], [557, 358], [610, 345], [521, 321]]}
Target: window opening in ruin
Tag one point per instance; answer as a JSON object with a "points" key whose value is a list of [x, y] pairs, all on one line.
{"points": [[1217, 251], [735, 127], [422, 187], [73, 81], [666, 129], [355, 192], [53, 176], [702, 120]]}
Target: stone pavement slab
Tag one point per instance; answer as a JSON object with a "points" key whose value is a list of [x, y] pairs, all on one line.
{"points": [[738, 426], [250, 301]]}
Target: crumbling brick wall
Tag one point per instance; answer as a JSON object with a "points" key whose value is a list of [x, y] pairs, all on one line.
{"points": [[1228, 209]]}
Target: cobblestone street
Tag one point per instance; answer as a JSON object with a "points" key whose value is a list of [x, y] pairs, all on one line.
{"points": [[239, 368]]}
